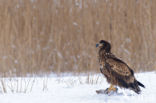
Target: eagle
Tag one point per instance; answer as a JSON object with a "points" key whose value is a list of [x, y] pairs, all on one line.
{"points": [[116, 71]]}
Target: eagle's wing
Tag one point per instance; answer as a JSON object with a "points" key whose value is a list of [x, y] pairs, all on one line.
{"points": [[119, 67]]}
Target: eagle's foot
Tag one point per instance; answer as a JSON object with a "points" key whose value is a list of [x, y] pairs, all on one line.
{"points": [[111, 90]]}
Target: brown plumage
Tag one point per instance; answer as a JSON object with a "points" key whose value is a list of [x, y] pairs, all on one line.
{"points": [[116, 71]]}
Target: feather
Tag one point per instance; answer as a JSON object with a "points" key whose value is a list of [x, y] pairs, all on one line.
{"points": [[118, 67]]}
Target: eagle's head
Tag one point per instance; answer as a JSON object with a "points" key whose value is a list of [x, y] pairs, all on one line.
{"points": [[104, 45]]}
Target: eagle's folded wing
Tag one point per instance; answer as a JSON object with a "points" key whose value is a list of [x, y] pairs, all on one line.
{"points": [[119, 67]]}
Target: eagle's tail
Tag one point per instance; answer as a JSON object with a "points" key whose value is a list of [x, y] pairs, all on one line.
{"points": [[140, 84], [135, 86]]}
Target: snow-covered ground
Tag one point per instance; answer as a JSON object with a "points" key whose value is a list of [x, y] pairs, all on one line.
{"points": [[72, 89]]}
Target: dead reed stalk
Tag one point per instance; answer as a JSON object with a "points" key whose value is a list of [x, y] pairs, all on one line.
{"points": [[44, 36]]}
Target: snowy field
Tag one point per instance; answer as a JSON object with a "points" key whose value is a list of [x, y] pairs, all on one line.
{"points": [[72, 89]]}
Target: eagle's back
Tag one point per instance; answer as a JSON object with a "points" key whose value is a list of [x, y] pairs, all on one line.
{"points": [[119, 67]]}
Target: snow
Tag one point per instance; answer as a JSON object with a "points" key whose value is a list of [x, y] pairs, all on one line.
{"points": [[73, 89]]}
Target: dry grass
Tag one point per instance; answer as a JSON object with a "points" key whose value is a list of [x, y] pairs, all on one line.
{"points": [[32, 84], [44, 36], [17, 85]]}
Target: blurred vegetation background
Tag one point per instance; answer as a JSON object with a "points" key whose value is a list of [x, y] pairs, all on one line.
{"points": [[45, 36]]}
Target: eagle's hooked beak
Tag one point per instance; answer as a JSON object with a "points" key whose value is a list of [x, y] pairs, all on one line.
{"points": [[97, 45]]}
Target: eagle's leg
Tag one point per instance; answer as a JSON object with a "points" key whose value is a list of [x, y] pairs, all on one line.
{"points": [[111, 89]]}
